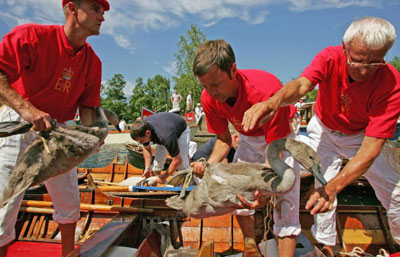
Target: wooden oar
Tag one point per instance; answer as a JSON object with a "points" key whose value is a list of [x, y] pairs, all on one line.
{"points": [[110, 188], [85, 207]]}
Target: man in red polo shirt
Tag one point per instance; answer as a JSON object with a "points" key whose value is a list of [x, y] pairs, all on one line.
{"points": [[357, 108], [228, 93], [47, 72]]}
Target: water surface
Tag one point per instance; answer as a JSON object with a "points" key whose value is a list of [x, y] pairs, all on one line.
{"points": [[105, 156]]}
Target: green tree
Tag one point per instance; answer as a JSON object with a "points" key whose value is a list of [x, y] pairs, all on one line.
{"points": [[184, 80], [153, 95], [114, 97], [311, 96], [158, 89], [396, 62], [137, 99]]}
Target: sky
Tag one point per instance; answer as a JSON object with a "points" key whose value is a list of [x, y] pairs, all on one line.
{"points": [[139, 37]]}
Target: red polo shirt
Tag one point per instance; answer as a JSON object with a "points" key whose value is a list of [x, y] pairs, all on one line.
{"points": [[372, 105], [40, 65], [254, 86]]}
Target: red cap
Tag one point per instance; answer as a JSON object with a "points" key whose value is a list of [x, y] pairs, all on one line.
{"points": [[104, 3]]}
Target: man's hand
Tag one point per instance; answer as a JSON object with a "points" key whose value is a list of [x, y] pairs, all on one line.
{"points": [[40, 120], [323, 199], [260, 201], [147, 173], [198, 169], [258, 114], [154, 180]]}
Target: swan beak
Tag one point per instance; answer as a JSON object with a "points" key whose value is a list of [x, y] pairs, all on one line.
{"points": [[315, 170]]}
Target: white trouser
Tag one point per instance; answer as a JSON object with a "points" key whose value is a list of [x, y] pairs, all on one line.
{"points": [[192, 148], [332, 146], [286, 212], [161, 152], [63, 189]]}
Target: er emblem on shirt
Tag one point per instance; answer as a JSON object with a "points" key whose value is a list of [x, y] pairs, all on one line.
{"points": [[345, 102], [64, 83]]}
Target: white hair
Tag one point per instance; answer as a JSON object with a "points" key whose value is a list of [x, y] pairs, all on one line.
{"points": [[375, 32]]}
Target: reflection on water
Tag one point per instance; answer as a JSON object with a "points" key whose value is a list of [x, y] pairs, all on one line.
{"points": [[105, 156]]}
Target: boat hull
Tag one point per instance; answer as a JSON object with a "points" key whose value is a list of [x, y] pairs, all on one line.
{"points": [[362, 226]]}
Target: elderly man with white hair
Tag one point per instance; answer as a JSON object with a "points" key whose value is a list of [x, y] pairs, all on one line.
{"points": [[356, 109]]}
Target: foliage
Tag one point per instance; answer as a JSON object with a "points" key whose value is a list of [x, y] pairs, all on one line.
{"points": [[311, 96], [153, 95], [396, 62], [184, 80], [114, 98], [137, 99]]}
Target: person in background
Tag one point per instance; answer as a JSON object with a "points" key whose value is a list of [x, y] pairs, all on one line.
{"points": [[299, 105], [122, 125], [46, 73], [228, 93], [357, 108], [176, 99], [198, 113], [171, 134], [189, 102]]}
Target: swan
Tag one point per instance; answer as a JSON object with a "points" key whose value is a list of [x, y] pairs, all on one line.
{"points": [[57, 152], [216, 193]]}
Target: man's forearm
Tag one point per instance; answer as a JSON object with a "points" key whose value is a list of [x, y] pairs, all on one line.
{"points": [[87, 115], [219, 153], [174, 165], [10, 97], [147, 156], [221, 147], [292, 91]]}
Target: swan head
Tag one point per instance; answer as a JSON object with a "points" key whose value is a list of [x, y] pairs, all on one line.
{"points": [[307, 157]]}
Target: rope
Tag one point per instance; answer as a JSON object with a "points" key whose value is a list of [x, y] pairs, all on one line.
{"points": [[358, 252], [268, 217], [267, 221], [186, 183], [184, 178]]}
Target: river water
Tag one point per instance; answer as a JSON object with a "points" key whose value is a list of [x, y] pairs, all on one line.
{"points": [[105, 156]]}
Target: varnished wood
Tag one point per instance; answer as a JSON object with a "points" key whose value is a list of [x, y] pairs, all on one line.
{"points": [[207, 250], [150, 247], [46, 207], [103, 239]]}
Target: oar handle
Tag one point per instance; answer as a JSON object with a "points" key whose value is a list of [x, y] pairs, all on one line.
{"points": [[89, 207]]}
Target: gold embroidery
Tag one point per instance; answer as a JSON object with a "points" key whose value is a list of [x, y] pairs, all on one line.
{"points": [[345, 102], [64, 83], [67, 74]]}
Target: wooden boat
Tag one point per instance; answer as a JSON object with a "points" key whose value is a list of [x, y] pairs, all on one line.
{"points": [[115, 137], [119, 215], [135, 155], [118, 170]]}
